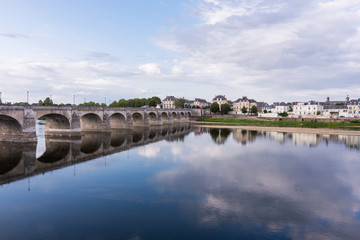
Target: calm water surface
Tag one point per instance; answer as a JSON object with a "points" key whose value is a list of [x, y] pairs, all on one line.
{"points": [[182, 182]]}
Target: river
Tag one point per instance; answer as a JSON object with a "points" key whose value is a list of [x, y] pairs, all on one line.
{"points": [[181, 182]]}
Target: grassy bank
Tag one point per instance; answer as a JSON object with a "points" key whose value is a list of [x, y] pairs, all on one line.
{"points": [[264, 123]]}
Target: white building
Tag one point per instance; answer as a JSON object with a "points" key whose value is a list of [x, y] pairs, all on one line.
{"points": [[335, 111], [200, 103], [168, 102], [220, 99], [281, 107], [354, 108], [240, 103], [310, 108]]}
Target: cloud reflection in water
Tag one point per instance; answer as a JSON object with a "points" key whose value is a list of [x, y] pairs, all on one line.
{"points": [[307, 185]]}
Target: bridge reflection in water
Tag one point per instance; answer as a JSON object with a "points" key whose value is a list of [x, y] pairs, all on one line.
{"points": [[19, 161]]}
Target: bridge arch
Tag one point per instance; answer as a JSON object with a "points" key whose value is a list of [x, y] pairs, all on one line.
{"points": [[90, 122], [189, 115], [174, 116], [9, 126], [164, 117], [137, 119], [182, 115], [55, 121], [117, 120], [153, 118]]}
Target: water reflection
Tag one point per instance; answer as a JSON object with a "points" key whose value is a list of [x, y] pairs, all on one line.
{"points": [[10, 156], [307, 187], [61, 152], [191, 183], [220, 136]]}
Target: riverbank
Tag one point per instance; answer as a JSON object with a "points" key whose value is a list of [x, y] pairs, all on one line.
{"points": [[284, 126]]}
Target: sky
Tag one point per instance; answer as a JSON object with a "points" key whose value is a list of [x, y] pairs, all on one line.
{"points": [[276, 50]]}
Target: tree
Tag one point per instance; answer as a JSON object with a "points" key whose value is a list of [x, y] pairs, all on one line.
{"points": [[153, 101], [318, 113], [46, 102], [283, 114], [265, 111], [179, 102], [225, 108], [253, 109], [214, 108], [244, 109]]}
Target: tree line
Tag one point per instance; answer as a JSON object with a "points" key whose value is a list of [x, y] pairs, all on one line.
{"points": [[135, 102]]}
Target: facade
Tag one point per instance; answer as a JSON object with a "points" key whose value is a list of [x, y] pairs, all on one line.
{"points": [[281, 107], [189, 103], [200, 103], [310, 108], [220, 99], [268, 108], [354, 108], [261, 106], [335, 111], [168, 102], [243, 102]]}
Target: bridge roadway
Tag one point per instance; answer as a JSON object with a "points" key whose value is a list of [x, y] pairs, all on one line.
{"points": [[18, 160], [18, 123]]}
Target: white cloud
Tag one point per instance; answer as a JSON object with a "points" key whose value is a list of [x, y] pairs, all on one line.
{"points": [[63, 78], [267, 48], [150, 68], [176, 70]]}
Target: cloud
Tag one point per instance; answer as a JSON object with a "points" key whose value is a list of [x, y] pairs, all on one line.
{"points": [[13, 35], [266, 48], [63, 78], [150, 68], [100, 56]]}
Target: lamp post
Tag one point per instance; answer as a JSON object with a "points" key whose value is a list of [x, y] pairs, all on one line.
{"points": [[74, 99], [27, 96]]}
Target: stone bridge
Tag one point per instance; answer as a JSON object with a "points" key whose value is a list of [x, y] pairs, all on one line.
{"points": [[18, 123]]}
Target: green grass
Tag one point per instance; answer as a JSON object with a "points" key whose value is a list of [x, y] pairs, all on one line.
{"points": [[252, 122]]}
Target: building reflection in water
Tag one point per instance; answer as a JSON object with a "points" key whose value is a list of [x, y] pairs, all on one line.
{"points": [[18, 161], [220, 135]]}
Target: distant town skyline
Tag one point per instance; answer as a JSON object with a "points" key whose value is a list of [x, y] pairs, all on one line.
{"points": [[267, 50]]}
